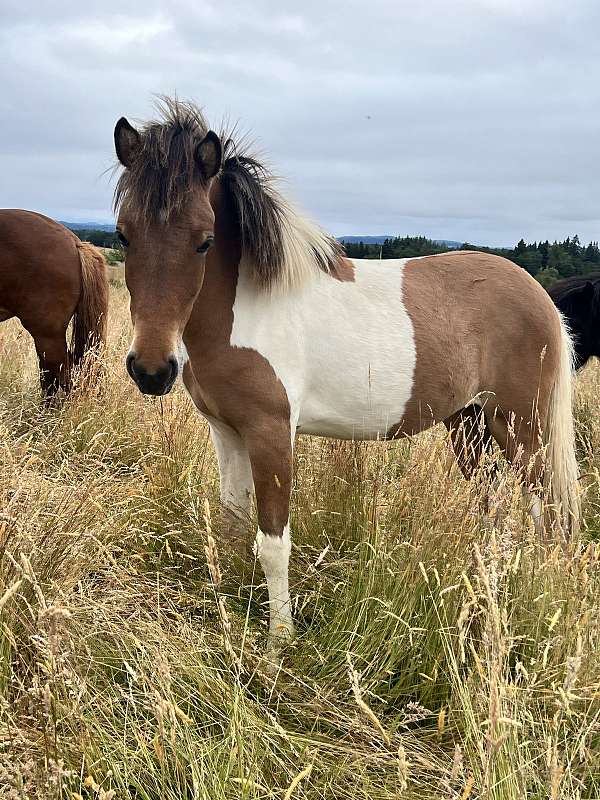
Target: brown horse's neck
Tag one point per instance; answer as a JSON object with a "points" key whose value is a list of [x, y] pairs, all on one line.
{"points": [[210, 323]]}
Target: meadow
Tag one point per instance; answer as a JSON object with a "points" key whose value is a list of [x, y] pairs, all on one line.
{"points": [[435, 657]]}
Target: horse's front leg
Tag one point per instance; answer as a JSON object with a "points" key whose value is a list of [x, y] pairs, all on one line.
{"points": [[270, 448], [235, 474]]}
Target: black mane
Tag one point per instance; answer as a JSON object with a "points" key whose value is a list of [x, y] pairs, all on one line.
{"points": [[258, 209]]}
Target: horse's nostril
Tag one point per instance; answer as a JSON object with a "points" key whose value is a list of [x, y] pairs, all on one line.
{"points": [[174, 367], [129, 363]]}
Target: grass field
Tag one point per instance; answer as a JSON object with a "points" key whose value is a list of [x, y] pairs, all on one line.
{"points": [[434, 658]]}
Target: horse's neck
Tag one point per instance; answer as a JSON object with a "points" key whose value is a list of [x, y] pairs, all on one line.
{"points": [[209, 327], [212, 315]]}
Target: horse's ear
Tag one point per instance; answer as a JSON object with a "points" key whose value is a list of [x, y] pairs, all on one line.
{"points": [[209, 154], [127, 142]]}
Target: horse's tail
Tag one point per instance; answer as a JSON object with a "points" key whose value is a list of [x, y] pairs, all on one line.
{"points": [[90, 318], [562, 470]]}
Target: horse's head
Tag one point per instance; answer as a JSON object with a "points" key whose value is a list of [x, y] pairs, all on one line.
{"points": [[166, 225]]}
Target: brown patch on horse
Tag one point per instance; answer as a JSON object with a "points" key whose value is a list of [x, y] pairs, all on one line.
{"points": [[470, 438], [343, 270], [492, 293]]}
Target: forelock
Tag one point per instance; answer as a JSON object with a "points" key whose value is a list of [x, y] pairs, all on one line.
{"points": [[164, 170]]}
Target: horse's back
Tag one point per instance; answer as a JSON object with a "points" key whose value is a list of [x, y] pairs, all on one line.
{"points": [[40, 278]]}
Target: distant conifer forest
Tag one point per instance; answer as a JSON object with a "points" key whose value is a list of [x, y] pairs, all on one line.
{"points": [[544, 260]]}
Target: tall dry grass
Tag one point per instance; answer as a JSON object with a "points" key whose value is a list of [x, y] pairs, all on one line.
{"points": [[434, 658]]}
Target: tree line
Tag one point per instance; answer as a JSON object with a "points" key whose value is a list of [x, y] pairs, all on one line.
{"points": [[98, 237], [544, 260]]}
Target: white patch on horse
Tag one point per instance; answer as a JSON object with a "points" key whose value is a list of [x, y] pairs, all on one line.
{"points": [[344, 351], [181, 354], [535, 508], [274, 555]]}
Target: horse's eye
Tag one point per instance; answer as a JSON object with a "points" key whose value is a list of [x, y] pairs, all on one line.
{"points": [[206, 245], [122, 239]]}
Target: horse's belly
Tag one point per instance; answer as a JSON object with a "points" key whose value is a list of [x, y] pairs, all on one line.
{"points": [[338, 425], [358, 395]]}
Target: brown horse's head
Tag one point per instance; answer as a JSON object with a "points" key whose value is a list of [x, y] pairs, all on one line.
{"points": [[166, 224]]}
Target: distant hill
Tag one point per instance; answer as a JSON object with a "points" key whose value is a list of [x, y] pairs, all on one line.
{"points": [[451, 244], [110, 226], [88, 226], [365, 239], [99, 233]]}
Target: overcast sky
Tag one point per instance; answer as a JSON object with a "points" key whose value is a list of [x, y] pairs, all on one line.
{"points": [[473, 120]]}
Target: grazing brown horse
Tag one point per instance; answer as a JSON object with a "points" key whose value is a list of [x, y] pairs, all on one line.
{"points": [[47, 278], [275, 332]]}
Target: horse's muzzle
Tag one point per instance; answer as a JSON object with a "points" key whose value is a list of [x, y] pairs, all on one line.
{"points": [[156, 383]]}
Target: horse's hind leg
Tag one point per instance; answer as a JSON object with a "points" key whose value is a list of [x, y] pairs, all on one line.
{"points": [[53, 359], [471, 441], [520, 442], [470, 437]]}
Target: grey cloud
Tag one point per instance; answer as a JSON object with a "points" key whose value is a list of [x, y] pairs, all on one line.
{"points": [[477, 120]]}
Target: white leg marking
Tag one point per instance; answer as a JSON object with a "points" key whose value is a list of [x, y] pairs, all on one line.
{"points": [[534, 506], [274, 555], [235, 471], [535, 509]]}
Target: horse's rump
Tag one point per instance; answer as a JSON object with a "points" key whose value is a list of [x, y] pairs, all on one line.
{"points": [[485, 331], [488, 335]]}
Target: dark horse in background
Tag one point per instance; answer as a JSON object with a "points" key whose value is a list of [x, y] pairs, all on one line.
{"points": [[578, 297], [48, 277]]}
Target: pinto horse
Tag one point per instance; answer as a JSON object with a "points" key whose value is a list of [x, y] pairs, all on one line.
{"points": [[47, 278], [275, 333], [578, 298]]}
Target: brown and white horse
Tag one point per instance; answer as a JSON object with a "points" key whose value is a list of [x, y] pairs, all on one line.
{"points": [[47, 278], [276, 333]]}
